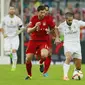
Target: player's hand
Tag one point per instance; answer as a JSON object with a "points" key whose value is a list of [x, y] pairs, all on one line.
{"points": [[18, 32], [5, 35], [37, 26], [1, 30], [57, 41], [47, 31]]}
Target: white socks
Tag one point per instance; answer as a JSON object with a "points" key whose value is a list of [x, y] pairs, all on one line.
{"points": [[14, 60], [66, 69]]}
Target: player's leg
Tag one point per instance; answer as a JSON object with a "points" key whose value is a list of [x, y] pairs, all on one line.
{"points": [[41, 64], [14, 59], [77, 60], [47, 63], [77, 63], [29, 65], [66, 65], [14, 47], [7, 47], [45, 54], [31, 49]]}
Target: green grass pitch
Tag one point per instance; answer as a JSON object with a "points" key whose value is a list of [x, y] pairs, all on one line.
{"points": [[55, 76]]}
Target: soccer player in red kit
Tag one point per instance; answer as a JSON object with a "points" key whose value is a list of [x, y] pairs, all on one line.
{"points": [[38, 37], [44, 68]]}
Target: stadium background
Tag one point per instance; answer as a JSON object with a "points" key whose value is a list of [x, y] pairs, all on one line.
{"points": [[27, 8]]}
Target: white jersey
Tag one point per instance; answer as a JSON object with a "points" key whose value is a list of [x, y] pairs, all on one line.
{"points": [[11, 25], [71, 33], [72, 37]]}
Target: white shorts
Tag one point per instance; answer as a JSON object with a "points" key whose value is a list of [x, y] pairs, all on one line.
{"points": [[74, 48], [11, 43]]}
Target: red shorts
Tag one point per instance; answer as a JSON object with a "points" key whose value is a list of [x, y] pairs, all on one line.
{"points": [[38, 51], [33, 46]]}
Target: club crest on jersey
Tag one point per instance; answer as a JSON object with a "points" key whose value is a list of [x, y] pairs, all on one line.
{"points": [[44, 23]]}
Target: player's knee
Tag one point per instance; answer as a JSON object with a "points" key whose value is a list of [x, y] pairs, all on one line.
{"points": [[68, 56], [44, 52], [29, 57]]}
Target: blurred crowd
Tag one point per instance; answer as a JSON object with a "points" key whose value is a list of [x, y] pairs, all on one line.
{"points": [[55, 9]]}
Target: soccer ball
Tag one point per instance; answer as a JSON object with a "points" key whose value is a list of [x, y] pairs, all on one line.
{"points": [[77, 75]]}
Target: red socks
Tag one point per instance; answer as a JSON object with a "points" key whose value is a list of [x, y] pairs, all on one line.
{"points": [[47, 64], [28, 68]]}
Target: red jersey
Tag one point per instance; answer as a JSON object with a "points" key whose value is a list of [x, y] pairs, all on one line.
{"points": [[45, 23]]}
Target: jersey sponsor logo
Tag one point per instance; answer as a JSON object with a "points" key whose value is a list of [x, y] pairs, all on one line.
{"points": [[11, 26], [71, 32]]}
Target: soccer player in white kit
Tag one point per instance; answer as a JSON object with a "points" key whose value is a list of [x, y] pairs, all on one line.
{"points": [[72, 49], [10, 25]]}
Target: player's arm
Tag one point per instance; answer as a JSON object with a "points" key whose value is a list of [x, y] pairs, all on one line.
{"points": [[32, 28], [82, 24], [2, 27], [20, 26], [20, 30], [54, 30], [2, 30]]}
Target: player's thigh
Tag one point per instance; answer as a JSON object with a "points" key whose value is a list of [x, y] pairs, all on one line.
{"points": [[77, 54], [7, 44], [44, 52], [15, 43], [31, 47], [44, 49], [68, 55], [77, 62], [29, 57]]}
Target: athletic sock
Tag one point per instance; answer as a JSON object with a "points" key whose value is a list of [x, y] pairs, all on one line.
{"points": [[47, 64], [66, 69], [28, 68], [14, 60]]}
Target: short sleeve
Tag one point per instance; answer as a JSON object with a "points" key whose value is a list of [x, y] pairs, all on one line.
{"points": [[81, 23], [20, 23], [51, 22]]}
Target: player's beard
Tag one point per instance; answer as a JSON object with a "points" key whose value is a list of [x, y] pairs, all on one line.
{"points": [[69, 24], [41, 17]]}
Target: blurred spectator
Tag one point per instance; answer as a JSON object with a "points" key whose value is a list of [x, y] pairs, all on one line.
{"points": [[69, 8], [54, 8], [36, 3], [77, 8], [83, 14], [26, 15], [77, 15]]}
